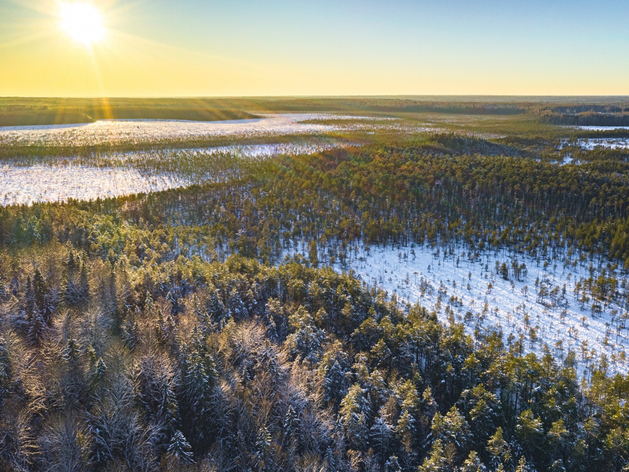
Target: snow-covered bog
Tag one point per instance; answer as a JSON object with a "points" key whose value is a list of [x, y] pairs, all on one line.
{"points": [[604, 143], [45, 183], [124, 173], [147, 131], [537, 301]]}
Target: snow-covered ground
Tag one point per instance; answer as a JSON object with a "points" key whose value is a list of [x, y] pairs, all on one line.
{"points": [[568, 159], [151, 131], [542, 307], [606, 143], [116, 174], [601, 128], [44, 183], [254, 151]]}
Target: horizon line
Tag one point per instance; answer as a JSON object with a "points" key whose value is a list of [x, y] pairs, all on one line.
{"points": [[315, 96]]}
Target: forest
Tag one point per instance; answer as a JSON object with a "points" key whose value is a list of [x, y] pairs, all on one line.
{"points": [[581, 111], [45, 111], [209, 327]]}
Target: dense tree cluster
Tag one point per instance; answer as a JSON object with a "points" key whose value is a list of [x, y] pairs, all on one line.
{"points": [[240, 366], [383, 194]]}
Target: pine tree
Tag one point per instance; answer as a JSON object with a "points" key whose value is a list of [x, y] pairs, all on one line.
{"points": [[40, 291], [71, 353], [354, 413], [263, 449], [381, 435], [77, 295], [36, 329], [436, 461], [335, 382], [29, 300], [155, 387], [330, 461], [179, 451], [5, 373], [522, 466], [74, 377], [199, 380], [131, 334], [84, 286], [472, 464], [216, 308], [291, 428], [71, 264], [98, 373], [392, 465], [312, 254], [498, 449]]}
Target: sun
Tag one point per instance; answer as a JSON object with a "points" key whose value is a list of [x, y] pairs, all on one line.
{"points": [[83, 22]]}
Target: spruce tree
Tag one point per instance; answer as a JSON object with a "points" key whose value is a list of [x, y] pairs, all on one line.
{"points": [[179, 451]]}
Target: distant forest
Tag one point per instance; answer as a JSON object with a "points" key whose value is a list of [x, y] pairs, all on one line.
{"points": [[560, 111], [43, 111]]}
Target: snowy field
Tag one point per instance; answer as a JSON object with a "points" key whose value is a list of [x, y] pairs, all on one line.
{"points": [[30, 179], [542, 307], [117, 174], [155, 131], [601, 128], [253, 151], [605, 143], [42, 183]]}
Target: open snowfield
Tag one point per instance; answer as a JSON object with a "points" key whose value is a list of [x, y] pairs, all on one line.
{"points": [[116, 174], [601, 128], [151, 131], [27, 185], [145, 131], [605, 143], [30, 179], [253, 151], [467, 287]]}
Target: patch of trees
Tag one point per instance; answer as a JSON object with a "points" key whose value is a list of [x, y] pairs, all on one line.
{"points": [[237, 365], [380, 194], [586, 119]]}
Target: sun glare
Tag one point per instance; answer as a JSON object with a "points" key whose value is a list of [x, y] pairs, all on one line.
{"points": [[83, 22]]}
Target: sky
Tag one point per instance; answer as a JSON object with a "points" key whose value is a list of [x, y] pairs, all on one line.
{"points": [[155, 48]]}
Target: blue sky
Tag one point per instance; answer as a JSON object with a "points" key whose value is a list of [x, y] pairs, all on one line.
{"points": [[326, 47]]}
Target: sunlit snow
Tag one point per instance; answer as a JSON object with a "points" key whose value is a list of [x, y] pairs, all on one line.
{"points": [[542, 308], [152, 131], [605, 143], [43, 183], [469, 282], [117, 173]]}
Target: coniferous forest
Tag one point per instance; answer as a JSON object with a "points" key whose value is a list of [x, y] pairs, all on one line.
{"points": [[221, 326]]}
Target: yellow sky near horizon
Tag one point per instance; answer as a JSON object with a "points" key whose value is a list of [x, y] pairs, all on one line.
{"points": [[154, 49]]}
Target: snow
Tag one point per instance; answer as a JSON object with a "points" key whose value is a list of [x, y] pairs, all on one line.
{"points": [[468, 282], [116, 174], [601, 128], [254, 151], [45, 183], [606, 143], [147, 131]]}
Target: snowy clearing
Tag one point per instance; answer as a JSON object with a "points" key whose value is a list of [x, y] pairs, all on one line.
{"points": [[605, 143], [41, 183], [117, 174], [600, 128], [543, 307], [147, 131]]}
